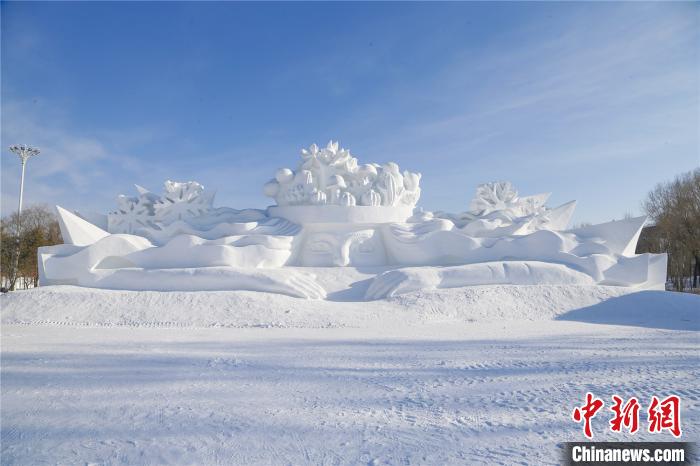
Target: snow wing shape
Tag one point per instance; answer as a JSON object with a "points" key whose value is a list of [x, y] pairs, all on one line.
{"points": [[620, 236], [560, 217], [77, 231]]}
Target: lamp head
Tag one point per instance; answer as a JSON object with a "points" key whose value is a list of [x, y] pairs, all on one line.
{"points": [[24, 151]]}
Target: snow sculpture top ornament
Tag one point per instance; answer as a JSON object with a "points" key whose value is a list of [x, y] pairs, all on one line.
{"points": [[331, 176], [333, 212]]}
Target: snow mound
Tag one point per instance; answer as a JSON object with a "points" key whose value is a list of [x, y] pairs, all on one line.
{"points": [[71, 305], [655, 309]]}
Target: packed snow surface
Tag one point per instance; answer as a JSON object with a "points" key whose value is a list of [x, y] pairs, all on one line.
{"points": [[86, 306], [484, 374]]}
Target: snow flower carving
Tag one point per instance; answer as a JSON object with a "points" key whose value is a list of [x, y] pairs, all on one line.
{"points": [[335, 174], [179, 201], [497, 210], [179, 192], [132, 214], [327, 162], [497, 195]]}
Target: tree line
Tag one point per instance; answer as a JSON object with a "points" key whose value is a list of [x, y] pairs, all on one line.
{"points": [[674, 210], [38, 226]]}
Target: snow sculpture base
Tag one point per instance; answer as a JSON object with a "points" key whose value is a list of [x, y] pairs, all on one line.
{"points": [[305, 214]]}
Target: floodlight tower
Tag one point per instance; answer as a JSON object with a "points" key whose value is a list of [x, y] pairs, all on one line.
{"points": [[24, 152]]}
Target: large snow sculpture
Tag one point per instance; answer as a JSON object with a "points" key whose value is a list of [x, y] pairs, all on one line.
{"points": [[333, 212]]}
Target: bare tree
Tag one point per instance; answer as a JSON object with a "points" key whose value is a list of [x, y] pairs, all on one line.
{"points": [[39, 227], [674, 207]]}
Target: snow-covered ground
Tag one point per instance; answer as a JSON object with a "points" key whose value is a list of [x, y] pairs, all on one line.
{"points": [[467, 375]]}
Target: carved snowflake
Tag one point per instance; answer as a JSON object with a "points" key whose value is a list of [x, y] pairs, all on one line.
{"points": [[181, 201], [498, 195], [132, 214]]}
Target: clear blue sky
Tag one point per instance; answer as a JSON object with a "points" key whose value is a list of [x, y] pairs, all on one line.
{"points": [[596, 102]]}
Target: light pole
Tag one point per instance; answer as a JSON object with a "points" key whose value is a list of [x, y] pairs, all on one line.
{"points": [[24, 152]]}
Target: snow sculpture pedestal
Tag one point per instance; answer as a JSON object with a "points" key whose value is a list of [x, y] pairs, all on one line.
{"points": [[348, 215], [340, 236]]}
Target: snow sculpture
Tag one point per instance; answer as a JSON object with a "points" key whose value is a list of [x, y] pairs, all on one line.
{"points": [[329, 183], [331, 176], [333, 212], [185, 208], [497, 210]]}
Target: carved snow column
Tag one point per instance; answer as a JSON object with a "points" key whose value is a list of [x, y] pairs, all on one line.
{"points": [[371, 198]]}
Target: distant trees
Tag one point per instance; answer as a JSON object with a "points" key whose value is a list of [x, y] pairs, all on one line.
{"points": [[674, 208], [37, 227]]}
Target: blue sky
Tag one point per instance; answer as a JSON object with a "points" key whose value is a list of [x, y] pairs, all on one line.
{"points": [[596, 102]]}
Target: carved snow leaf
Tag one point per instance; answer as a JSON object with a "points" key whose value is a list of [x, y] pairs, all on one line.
{"points": [[347, 199], [372, 198], [390, 184]]}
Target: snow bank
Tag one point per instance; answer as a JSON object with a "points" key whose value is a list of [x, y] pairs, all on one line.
{"points": [[70, 305]]}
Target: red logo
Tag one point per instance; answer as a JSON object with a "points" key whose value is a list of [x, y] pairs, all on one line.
{"points": [[662, 414], [627, 415], [665, 415], [587, 412]]}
